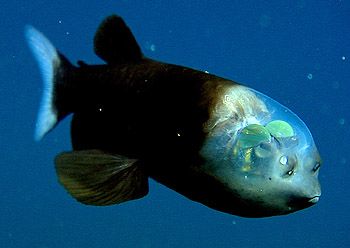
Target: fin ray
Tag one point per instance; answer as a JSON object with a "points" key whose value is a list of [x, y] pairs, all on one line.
{"points": [[97, 178]]}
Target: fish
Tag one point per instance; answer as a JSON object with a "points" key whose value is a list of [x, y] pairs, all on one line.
{"points": [[211, 139]]}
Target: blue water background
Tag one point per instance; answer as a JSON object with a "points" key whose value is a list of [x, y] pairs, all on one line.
{"points": [[295, 51]]}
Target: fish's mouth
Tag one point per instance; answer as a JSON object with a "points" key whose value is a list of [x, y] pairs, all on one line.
{"points": [[314, 199], [303, 202]]}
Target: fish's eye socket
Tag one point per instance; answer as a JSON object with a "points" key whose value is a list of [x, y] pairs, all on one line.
{"points": [[280, 129], [264, 150], [252, 136]]}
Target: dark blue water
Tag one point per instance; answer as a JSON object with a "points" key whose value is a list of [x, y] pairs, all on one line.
{"points": [[295, 51]]}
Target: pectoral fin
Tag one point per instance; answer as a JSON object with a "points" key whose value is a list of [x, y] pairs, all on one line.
{"points": [[97, 178]]}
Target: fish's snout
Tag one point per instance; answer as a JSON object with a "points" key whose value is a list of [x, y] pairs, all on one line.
{"points": [[307, 192], [312, 190]]}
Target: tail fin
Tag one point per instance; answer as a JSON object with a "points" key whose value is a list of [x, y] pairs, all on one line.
{"points": [[53, 67]]}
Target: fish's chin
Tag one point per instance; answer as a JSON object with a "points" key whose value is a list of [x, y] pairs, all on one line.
{"points": [[303, 202], [267, 210]]}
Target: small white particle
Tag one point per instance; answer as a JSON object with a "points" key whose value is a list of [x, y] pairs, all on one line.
{"points": [[59, 21], [67, 33], [152, 47], [342, 121], [178, 134], [245, 177], [343, 58], [309, 76], [206, 72]]}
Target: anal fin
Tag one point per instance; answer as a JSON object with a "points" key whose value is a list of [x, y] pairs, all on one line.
{"points": [[97, 178]]}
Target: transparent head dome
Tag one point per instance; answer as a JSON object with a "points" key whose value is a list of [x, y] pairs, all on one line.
{"points": [[262, 153], [272, 135], [283, 123]]}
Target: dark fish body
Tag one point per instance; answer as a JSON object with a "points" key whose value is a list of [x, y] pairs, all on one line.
{"points": [[206, 137]]}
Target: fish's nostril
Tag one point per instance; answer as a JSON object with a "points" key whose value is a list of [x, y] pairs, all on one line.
{"points": [[316, 167]]}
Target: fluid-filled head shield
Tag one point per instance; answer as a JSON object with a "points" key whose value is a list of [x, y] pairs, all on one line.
{"points": [[262, 152]]}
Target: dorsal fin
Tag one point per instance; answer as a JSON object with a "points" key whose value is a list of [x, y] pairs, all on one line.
{"points": [[115, 43]]}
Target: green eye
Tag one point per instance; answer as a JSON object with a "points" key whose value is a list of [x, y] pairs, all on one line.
{"points": [[253, 135], [280, 129]]}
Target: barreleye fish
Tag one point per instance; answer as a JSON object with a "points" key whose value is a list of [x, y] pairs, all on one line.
{"points": [[211, 139]]}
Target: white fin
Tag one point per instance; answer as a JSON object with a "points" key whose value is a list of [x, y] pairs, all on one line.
{"points": [[48, 60]]}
